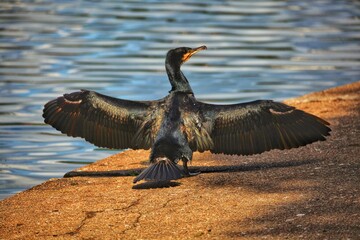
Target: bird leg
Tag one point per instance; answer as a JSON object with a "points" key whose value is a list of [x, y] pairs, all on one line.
{"points": [[187, 173]]}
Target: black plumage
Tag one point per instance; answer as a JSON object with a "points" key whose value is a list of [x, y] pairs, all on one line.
{"points": [[177, 125]]}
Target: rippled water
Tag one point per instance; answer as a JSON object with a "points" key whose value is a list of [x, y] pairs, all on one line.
{"points": [[256, 49]]}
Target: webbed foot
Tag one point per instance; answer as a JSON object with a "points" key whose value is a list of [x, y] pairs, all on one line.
{"points": [[191, 174], [187, 173]]}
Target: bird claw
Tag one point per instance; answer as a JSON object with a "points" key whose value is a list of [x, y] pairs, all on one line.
{"points": [[189, 174]]}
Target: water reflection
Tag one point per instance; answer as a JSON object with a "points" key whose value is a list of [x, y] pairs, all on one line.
{"points": [[257, 49]]}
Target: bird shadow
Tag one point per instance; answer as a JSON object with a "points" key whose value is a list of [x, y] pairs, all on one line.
{"points": [[156, 184], [200, 169], [251, 167]]}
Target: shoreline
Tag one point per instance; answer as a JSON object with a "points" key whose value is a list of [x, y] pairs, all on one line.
{"points": [[308, 192]]}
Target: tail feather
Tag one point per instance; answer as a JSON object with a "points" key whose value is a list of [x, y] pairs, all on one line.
{"points": [[162, 170]]}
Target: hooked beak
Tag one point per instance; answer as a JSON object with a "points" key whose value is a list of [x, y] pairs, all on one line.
{"points": [[191, 52]]}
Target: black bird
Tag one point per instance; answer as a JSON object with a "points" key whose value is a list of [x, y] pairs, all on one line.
{"points": [[177, 125]]}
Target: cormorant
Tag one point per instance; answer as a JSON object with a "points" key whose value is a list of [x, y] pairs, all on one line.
{"points": [[177, 125]]}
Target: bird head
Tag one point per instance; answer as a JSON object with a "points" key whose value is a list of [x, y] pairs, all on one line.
{"points": [[177, 56]]}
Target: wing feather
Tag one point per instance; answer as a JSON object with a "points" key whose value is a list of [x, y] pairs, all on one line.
{"points": [[259, 126], [103, 120]]}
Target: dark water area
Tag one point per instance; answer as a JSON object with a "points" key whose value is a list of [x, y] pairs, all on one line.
{"points": [[256, 50]]}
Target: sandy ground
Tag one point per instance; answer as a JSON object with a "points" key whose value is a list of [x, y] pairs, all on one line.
{"points": [[311, 192]]}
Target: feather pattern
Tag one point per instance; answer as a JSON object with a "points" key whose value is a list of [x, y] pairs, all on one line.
{"points": [[259, 126], [104, 121], [162, 169]]}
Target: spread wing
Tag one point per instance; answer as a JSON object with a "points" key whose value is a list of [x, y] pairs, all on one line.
{"points": [[103, 120], [259, 126]]}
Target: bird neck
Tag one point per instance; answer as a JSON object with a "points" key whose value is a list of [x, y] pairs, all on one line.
{"points": [[177, 79]]}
